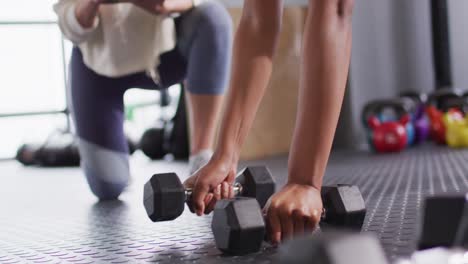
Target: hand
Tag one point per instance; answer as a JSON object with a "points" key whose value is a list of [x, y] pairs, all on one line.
{"points": [[164, 7], [86, 12], [294, 210], [210, 184]]}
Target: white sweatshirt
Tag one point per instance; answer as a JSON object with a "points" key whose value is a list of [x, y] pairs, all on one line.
{"points": [[124, 39]]}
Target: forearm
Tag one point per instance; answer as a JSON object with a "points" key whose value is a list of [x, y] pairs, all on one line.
{"points": [[324, 71], [254, 47], [86, 12]]}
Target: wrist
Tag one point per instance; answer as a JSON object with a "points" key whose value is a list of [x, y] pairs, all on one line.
{"points": [[303, 185], [305, 180], [227, 149], [225, 156]]}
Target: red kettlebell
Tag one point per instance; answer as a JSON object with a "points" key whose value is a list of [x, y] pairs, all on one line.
{"points": [[389, 136], [437, 125]]}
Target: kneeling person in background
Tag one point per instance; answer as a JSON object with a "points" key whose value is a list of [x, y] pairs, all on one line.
{"points": [[135, 43]]}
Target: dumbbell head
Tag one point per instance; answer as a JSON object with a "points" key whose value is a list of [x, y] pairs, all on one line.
{"points": [[164, 197], [238, 226], [26, 154], [344, 206], [333, 248], [152, 143], [442, 221], [257, 183], [60, 150]]}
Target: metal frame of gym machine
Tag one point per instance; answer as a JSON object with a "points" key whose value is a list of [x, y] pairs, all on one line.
{"points": [[441, 44]]}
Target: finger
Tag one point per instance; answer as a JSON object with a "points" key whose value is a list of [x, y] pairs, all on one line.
{"points": [[208, 198], [225, 190], [198, 197], [210, 206], [217, 192], [267, 206], [216, 197], [231, 191], [312, 221], [210, 201], [287, 226], [189, 183], [299, 222], [273, 227]]}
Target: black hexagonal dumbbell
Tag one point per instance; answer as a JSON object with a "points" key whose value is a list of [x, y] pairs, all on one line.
{"points": [[343, 206], [238, 225], [444, 222], [165, 195]]}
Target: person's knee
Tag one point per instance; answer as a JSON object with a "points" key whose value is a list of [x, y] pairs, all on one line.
{"points": [[209, 48], [106, 171], [214, 17], [102, 189]]}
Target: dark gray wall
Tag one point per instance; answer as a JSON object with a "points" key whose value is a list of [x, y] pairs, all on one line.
{"points": [[392, 52], [458, 10]]}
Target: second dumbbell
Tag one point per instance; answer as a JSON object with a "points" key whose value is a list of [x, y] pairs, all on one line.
{"points": [[239, 228], [165, 195]]}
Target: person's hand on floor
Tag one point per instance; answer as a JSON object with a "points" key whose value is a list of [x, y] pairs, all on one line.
{"points": [[164, 7], [294, 210], [210, 184]]}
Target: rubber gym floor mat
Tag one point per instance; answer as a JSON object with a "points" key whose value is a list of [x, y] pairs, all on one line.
{"points": [[49, 216]]}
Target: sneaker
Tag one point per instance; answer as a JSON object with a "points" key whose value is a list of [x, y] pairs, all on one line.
{"points": [[199, 160]]}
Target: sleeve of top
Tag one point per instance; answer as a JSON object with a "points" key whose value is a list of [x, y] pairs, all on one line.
{"points": [[68, 23]]}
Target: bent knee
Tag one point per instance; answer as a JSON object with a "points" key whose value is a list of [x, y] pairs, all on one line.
{"points": [[102, 189], [214, 16], [107, 171]]}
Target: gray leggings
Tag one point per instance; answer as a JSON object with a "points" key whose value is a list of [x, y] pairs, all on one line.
{"points": [[202, 58]]}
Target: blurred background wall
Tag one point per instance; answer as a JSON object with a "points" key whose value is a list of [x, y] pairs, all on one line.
{"points": [[392, 52]]}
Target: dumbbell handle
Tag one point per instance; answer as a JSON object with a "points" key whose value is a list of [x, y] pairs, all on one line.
{"points": [[237, 187]]}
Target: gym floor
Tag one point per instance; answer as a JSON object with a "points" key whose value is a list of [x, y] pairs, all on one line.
{"points": [[49, 215]]}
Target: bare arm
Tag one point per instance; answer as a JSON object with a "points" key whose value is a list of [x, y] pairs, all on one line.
{"points": [[254, 46], [297, 207], [324, 72]]}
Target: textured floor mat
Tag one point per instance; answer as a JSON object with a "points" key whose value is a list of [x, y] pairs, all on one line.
{"points": [[48, 216]]}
